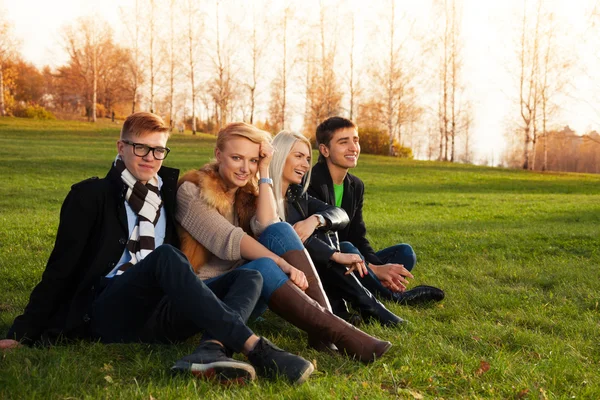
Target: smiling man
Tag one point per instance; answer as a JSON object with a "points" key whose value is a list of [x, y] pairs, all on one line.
{"points": [[339, 149], [115, 274]]}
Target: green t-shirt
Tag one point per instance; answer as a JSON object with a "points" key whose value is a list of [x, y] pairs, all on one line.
{"points": [[339, 193]]}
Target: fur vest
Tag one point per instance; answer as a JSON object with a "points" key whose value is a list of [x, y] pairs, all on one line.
{"points": [[213, 192]]}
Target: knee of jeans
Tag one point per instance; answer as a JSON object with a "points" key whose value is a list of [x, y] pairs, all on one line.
{"points": [[408, 255], [347, 247], [171, 254], [265, 264], [279, 228], [251, 276], [280, 238], [167, 249], [269, 269]]}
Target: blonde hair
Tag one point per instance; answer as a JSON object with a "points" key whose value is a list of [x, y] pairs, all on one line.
{"points": [[242, 129], [283, 143]]}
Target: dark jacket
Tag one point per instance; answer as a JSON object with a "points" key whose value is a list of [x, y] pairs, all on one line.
{"points": [[324, 242], [91, 237], [321, 187]]}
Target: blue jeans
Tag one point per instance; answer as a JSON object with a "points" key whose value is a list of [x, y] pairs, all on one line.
{"points": [[399, 254], [279, 238]]}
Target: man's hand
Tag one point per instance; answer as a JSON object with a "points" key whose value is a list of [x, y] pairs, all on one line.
{"points": [[306, 227], [265, 153], [352, 261], [296, 276], [392, 276], [7, 344]]}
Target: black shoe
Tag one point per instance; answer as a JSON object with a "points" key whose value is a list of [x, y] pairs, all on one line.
{"points": [[210, 360], [270, 361], [348, 287], [377, 312], [419, 295]]}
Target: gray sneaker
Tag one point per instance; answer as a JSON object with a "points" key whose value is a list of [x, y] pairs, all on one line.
{"points": [[210, 361], [271, 361]]}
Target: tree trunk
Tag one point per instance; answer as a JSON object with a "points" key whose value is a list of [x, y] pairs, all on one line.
{"points": [[192, 66], [172, 64], [284, 70], [136, 59], [152, 70], [95, 81], [2, 110], [526, 149]]}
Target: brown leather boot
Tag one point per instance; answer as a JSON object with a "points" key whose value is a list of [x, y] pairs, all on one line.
{"points": [[290, 303], [301, 260]]}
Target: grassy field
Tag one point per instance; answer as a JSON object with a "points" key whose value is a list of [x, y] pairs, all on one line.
{"points": [[518, 254]]}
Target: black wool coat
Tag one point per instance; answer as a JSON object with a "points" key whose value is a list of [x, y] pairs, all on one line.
{"points": [[91, 238]]}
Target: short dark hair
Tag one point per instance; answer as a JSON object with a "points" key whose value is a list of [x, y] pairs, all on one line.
{"points": [[327, 128], [141, 123]]}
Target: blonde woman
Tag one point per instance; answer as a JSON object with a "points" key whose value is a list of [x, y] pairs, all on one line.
{"points": [[316, 224], [223, 206]]}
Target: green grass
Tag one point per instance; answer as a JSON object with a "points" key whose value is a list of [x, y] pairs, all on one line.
{"points": [[516, 252]]}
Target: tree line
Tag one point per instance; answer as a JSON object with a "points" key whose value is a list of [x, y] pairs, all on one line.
{"points": [[282, 65]]}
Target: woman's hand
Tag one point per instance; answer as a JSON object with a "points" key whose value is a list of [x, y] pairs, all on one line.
{"points": [[265, 153], [306, 227], [296, 276], [6, 344], [352, 261]]}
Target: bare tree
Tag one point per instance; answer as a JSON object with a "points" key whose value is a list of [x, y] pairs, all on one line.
{"points": [[258, 42], [323, 95], [450, 79], [94, 41], [393, 72], [279, 85], [222, 86], [194, 24], [354, 89], [394, 76], [173, 60], [528, 84], [455, 67], [87, 41], [554, 77], [154, 65], [545, 94], [7, 48], [467, 122], [134, 78]]}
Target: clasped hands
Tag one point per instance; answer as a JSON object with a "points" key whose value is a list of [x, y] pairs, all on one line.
{"points": [[392, 276]]}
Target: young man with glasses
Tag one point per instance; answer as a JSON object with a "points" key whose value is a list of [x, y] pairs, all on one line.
{"points": [[388, 269], [114, 274]]}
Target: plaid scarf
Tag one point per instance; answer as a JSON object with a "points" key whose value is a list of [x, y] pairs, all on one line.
{"points": [[146, 203]]}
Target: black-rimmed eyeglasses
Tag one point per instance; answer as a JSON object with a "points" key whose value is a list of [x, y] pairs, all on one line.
{"points": [[142, 150]]}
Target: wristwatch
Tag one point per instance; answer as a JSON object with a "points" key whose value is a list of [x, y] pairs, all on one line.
{"points": [[268, 181], [321, 219]]}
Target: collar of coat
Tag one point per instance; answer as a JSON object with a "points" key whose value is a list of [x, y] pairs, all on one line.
{"points": [[213, 192]]}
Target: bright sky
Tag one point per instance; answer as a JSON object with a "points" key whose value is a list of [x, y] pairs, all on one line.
{"points": [[488, 51]]}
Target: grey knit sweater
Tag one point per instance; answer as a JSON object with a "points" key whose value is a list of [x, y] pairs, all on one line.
{"points": [[221, 236]]}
